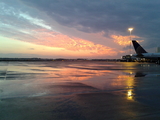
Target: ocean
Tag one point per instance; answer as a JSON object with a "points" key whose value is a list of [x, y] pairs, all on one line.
{"points": [[79, 90]]}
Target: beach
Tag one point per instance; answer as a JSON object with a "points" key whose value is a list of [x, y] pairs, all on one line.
{"points": [[79, 90]]}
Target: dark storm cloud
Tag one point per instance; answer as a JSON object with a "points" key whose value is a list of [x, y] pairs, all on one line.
{"points": [[105, 15]]}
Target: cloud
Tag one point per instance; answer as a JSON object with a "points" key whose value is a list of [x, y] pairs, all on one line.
{"points": [[35, 21], [123, 40], [26, 27], [54, 39], [42, 23], [31, 48], [105, 15]]}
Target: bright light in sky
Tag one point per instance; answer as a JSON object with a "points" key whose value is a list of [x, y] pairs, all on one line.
{"points": [[66, 29], [130, 29]]}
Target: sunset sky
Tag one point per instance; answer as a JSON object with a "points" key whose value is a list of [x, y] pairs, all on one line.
{"points": [[77, 28]]}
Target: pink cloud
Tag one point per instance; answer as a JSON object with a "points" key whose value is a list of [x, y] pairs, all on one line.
{"points": [[54, 39], [123, 40]]}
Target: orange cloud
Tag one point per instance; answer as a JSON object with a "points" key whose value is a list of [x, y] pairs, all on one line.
{"points": [[123, 40], [55, 39]]}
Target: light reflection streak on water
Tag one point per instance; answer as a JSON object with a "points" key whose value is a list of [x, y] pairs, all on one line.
{"points": [[129, 95], [128, 81], [130, 84]]}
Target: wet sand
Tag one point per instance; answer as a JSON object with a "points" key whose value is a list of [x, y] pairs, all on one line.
{"points": [[79, 91]]}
